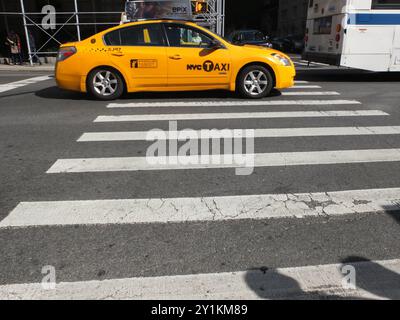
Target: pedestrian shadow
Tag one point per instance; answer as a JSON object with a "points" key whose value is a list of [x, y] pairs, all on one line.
{"points": [[370, 277], [393, 211], [375, 278], [273, 285]]}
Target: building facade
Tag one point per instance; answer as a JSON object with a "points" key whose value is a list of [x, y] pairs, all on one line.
{"points": [[273, 17], [292, 16]]}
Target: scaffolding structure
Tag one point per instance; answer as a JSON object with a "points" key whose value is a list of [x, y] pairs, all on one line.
{"points": [[213, 18]]}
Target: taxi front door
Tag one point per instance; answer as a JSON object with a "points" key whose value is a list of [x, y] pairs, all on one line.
{"points": [[191, 60]]}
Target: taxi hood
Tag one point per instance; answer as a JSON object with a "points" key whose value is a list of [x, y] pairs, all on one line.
{"points": [[262, 49]]}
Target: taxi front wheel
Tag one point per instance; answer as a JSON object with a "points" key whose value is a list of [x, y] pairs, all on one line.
{"points": [[105, 84], [255, 82]]}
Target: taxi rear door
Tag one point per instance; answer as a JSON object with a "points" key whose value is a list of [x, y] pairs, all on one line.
{"points": [[192, 61], [142, 54]]}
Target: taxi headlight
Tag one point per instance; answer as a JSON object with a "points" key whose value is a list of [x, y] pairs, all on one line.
{"points": [[284, 61]]}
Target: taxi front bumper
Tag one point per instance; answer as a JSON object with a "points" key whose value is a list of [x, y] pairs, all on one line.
{"points": [[285, 76]]}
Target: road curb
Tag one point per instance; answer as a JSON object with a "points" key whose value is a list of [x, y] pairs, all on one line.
{"points": [[27, 68]]}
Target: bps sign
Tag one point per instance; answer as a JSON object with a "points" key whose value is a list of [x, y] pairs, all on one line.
{"points": [[161, 9]]}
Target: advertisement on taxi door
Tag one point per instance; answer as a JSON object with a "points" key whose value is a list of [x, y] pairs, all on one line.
{"points": [[139, 10]]}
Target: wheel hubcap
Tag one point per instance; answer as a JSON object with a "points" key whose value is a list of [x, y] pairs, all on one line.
{"points": [[255, 82], [105, 83]]}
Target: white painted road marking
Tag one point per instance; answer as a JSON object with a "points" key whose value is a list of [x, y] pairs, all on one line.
{"points": [[179, 210], [316, 63], [300, 82], [258, 133], [305, 87], [310, 93], [216, 161], [244, 115], [295, 283], [22, 83], [235, 103]]}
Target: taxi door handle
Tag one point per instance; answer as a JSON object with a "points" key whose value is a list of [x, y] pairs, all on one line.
{"points": [[118, 54], [176, 57]]}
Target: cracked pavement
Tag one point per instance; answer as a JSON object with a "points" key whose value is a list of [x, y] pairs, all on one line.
{"points": [[210, 221]]}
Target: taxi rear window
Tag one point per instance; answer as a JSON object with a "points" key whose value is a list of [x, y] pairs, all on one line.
{"points": [[143, 35]]}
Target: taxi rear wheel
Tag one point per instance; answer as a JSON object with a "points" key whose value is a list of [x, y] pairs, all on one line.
{"points": [[105, 84], [255, 82]]}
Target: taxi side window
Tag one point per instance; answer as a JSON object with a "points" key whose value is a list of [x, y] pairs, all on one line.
{"points": [[143, 35], [182, 36]]}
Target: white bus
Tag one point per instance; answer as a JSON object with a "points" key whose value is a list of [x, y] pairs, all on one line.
{"points": [[362, 34]]}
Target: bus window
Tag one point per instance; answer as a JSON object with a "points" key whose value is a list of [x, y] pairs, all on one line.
{"points": [[385, 4], [323, 25]]}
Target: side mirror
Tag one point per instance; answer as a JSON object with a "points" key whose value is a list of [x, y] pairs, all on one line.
{"points": [[215, 45]]}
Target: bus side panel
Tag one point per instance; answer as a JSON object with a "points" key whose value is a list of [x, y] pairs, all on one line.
{"points": [[366, 48], [395, 63]]}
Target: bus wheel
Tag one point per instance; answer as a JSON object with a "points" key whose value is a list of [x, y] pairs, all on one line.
{"points": [[254, 82], [105, 84]]}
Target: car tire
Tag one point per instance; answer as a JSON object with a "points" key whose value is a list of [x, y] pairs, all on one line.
{"points": [[254, 82], [105, 84]]}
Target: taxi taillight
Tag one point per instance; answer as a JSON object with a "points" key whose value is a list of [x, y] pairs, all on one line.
{"points": [[65, 53]]}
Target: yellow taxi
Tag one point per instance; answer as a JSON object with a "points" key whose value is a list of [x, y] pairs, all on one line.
{"points": [[169, 55]]}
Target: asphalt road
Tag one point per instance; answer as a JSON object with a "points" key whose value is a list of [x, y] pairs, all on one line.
{"points": [[40, 124]]}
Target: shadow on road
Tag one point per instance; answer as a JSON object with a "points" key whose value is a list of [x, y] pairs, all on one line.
{"points": [[375, 278], [347, 75], [370, 277], [59, 94]]}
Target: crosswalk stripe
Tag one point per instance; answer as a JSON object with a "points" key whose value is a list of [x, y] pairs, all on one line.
{"points": [[22, 83], [217, 161], [180, 210], [316, 63], [305, 87], [258, 133], [310, 93], [295, 282], [300, 82], [301, 63], [236, 103], [244, 115]]}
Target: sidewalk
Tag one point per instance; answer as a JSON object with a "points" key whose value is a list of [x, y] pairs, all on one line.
{"points": [[27, 67]]}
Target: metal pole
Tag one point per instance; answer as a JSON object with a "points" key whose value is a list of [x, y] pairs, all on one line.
{"points": [[223, 17], [26, 32], [78, 29]]}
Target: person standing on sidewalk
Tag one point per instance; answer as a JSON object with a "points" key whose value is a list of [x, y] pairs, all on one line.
{"points": [[32, 45], [14, 42]]}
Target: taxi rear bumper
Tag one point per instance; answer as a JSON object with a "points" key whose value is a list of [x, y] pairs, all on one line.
{"points": [[69, 80]]}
